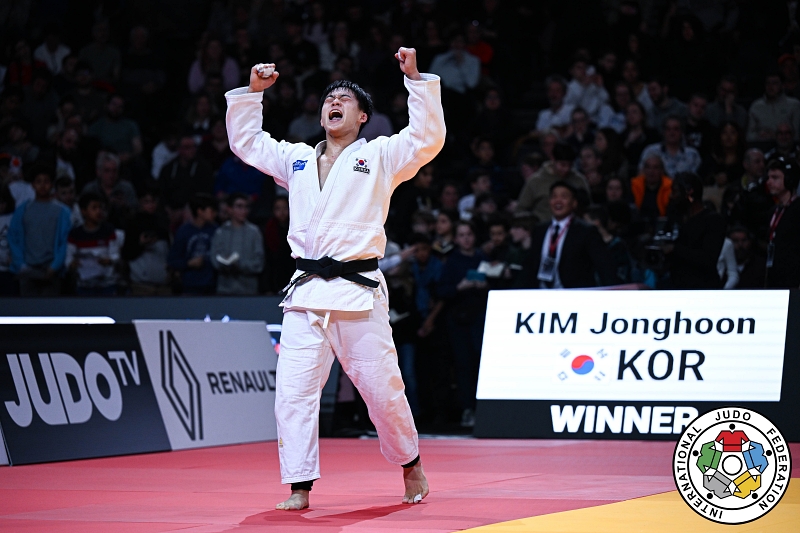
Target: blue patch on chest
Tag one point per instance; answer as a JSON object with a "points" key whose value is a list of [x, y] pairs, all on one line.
{"points": [[299, 165]]}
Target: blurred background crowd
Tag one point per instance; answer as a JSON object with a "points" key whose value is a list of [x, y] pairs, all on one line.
{"points": [[660, 134]]}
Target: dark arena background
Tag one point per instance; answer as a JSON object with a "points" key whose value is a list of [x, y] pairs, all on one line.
{"points": [[556, 342]]}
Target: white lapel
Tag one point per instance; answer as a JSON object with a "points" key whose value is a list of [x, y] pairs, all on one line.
{"points": [[325, 194]]}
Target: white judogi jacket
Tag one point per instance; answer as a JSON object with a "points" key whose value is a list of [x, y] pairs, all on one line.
{"points": [[345, 219]]}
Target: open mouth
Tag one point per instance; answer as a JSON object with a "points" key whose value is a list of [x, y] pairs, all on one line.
{"points": [[335, 115]]}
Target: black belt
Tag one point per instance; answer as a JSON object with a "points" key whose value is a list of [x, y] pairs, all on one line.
{"points": [[328, 268]]}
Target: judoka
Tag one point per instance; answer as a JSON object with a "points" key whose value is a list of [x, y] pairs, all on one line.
{"points": [[336, 304]]}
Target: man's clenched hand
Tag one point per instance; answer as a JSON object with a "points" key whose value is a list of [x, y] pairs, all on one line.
{"points": [[259, 80], [408, 62]]}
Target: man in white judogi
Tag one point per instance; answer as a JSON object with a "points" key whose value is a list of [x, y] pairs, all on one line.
{"points": [[339, 195]]}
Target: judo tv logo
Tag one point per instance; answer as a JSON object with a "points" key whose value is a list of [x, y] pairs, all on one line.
{"points": [[181, 385], [73, 391], [732, 465]]}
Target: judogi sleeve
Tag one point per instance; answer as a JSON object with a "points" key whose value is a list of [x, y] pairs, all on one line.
{"points": [[404, 153], [253, 145]]}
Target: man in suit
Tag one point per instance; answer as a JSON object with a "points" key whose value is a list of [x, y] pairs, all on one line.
{"points": [[567, 252]]}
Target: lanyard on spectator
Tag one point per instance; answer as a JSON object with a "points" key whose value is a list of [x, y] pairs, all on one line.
{"points": [[776, 218], [555, 239]]}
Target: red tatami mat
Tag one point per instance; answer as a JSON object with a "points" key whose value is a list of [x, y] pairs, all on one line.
{"points": [[234, 488]]}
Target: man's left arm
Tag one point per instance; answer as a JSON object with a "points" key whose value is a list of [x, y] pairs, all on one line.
{"points": [[418, 143]]}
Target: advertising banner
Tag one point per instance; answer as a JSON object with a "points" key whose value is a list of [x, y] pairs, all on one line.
{"points": [[215, 381], [76, 391], [627, 364], [3, 454]]}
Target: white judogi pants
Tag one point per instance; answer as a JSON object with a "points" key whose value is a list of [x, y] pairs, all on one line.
{"points": [[362, 341]]}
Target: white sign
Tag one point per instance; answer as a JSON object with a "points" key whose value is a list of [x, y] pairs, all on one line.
{"points": [[723, 346], [214, 381]]}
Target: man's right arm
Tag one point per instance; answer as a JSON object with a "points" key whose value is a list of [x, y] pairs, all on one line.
{"points": [[254, 146]]}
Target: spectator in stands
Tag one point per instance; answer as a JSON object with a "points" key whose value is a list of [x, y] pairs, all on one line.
{"points": [[692, 257], [615, 190], [37, 238], [557, 115], [614, 116], [339, 43], [8, 282], [663, 104], [212, 60], [184, 176], [566, 252], [465, 290], [535, 195], [479, 183], [608, 146], [237, 250], [582, 132], [728, 151], [199, 115], [460, 73], [630, 74], [12, 176], [484, 161], [783, 250], [444, 238], [303, 54], [699, 133], [752, 266], [89, 101], [306, 126], [93, 250], [165, 151], [674, 154], [637, 135], [189, 257], [39, 107], [410, 197], [725, 108], [143, 72], [726, 266], [597, 216], [448, 197], [236, 176], [146, 248], [15, 142], [22, 66], [770, 110], [495, 121], [588, 164], [279, 264], [52, 51], [104, 57], [66, 193], [215, 148], [117, 194], [585, 89], [117, 133], [785, 143], [652, 189]]}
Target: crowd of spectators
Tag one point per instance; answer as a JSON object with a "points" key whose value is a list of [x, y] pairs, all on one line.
{"points": [[650, 143]]}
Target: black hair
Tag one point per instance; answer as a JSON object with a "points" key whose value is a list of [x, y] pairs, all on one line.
{"points": [[363, 97], [690, 183], [236, 196], [63, 181], [791, 174], [563, 152], [201, 200], [40, 168], [565, 185], [89, 197], [499, 221], [419, 238], [483, 198]]}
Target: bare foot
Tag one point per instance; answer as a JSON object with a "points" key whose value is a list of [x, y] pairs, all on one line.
{"points": [[298, 500], [416, 484]]}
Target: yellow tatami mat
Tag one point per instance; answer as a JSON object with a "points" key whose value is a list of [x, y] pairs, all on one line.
{"points": [[661, 513]]}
